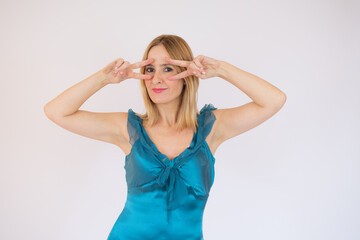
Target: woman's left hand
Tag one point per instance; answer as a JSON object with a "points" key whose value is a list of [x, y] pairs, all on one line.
{"points": [[203, 67]]}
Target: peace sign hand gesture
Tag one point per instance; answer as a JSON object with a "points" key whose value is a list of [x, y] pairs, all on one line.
{"points": [[120, 70], [202, 67]]}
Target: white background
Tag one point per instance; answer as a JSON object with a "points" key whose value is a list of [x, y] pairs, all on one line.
{"points": [[296, 176]]}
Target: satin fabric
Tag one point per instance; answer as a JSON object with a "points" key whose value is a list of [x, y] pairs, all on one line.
{"points": [[166, 198]]}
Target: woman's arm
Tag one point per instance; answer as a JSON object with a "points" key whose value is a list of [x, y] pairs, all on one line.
{"points": [[260, 91], [69, 101], [267, 100], [108, 127], [64, 111]]}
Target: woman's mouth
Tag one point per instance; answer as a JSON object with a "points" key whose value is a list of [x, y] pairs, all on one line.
{"points": [[159, 90]]}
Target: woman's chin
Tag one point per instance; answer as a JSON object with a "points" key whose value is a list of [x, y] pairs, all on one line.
{"points": [[159, 101]]}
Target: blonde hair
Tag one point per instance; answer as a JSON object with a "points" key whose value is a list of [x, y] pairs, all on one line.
{"points": [[178, 49]]}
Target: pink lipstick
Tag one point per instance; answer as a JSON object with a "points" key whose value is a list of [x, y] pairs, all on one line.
{"points": [[159, 90]]}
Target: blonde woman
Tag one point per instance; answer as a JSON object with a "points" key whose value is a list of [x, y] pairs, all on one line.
{"points": [[170, 149]]}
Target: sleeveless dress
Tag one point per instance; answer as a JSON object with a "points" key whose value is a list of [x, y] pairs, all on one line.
{"points": [[166, 198]]}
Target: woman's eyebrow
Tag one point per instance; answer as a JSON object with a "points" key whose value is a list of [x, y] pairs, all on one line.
{"points": [[165, 64]]}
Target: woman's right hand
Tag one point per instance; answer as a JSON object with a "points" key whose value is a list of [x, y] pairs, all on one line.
{"points": [[120, 70]]}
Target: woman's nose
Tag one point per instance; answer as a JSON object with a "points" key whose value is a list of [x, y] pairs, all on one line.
{"points": [[158, 77]]}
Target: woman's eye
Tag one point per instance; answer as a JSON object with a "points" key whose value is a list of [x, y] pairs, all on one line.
{"points": [[148, 69], [168, 69]]}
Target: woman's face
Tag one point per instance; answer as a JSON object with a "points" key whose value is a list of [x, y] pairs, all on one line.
{"points": [[160, 70]]}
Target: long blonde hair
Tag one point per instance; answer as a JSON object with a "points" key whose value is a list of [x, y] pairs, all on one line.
{"points": [[178, 49]]}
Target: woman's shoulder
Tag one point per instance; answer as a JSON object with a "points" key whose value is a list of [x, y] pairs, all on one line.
{"points": [[207, 107], [209, 110], [134, 116]]}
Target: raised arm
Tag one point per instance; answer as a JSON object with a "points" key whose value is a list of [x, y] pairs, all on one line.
{"points": [[267, 99], [108, 127]]}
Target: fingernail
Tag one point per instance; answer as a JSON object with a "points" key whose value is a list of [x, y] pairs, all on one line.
{"points": [[203, 72]]}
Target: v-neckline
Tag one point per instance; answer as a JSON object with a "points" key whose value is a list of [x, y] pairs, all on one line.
{"points": [[165, 157]]}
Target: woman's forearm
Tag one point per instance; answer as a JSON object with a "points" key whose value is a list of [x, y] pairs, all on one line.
{"points": [[260, 91], [72, 98]]}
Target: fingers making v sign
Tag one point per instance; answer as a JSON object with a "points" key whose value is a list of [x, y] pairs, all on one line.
{"points": [[202, 67], [120, 70]]}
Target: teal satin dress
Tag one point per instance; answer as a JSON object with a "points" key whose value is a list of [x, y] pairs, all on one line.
{"points": [[166, 198]]}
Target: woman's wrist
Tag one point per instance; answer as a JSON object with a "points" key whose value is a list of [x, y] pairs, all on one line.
{"points": [[222, 69], [101, 78]]}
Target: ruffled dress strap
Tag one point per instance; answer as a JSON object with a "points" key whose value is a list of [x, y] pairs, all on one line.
{"points": [[133, 126], [206, 119]]}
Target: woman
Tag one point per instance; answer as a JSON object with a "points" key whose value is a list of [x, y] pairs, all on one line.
{"points": [[170, 149]]}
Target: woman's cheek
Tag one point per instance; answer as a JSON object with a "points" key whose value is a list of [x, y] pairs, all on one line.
{"points": [[147, 80]]}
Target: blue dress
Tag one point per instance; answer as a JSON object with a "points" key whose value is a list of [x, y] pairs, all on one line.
{"points": [[166, 198]]}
